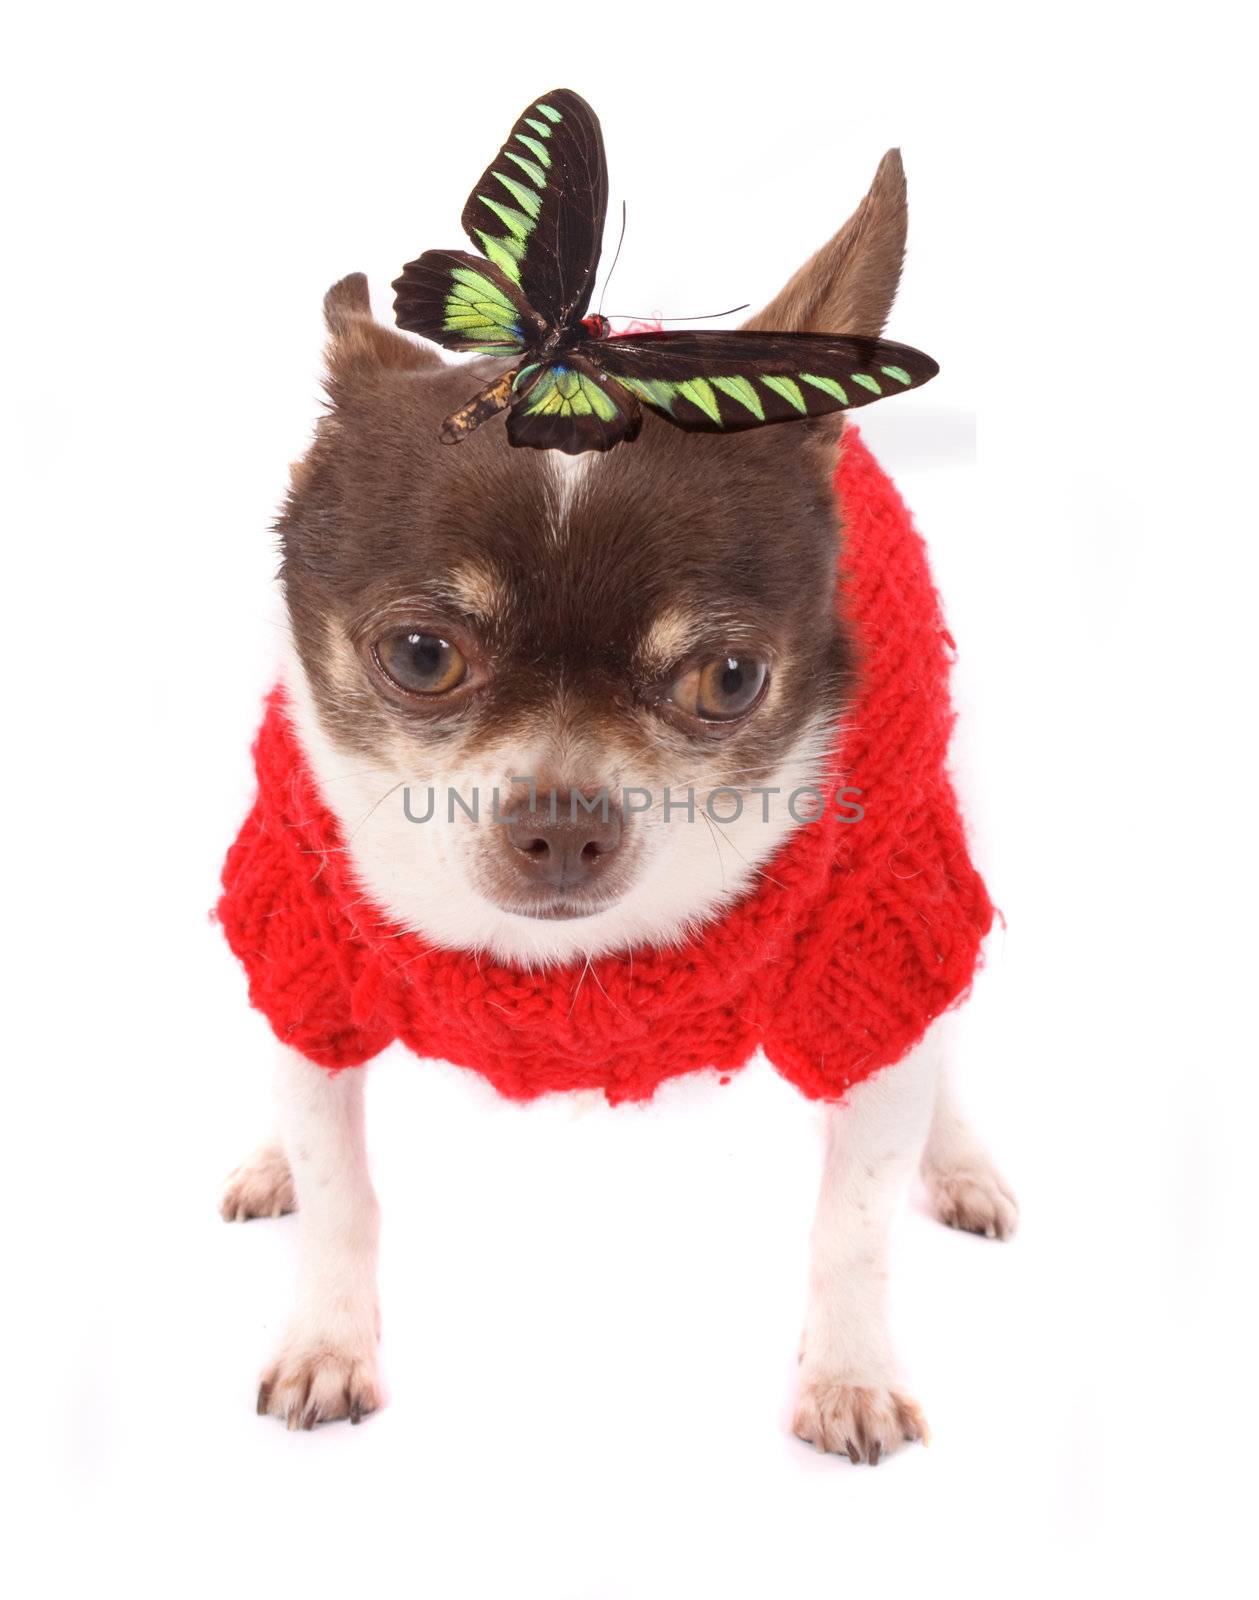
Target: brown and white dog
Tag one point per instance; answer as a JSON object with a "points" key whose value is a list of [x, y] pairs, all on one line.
{"points": [[524, 595]]}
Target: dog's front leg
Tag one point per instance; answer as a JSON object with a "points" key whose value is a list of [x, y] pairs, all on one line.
{"points": [[965, 1189], [326, 1367], [847, 1398]]}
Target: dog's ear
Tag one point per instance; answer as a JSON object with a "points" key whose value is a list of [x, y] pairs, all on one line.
{"points": [[849, 285], [359, 348], [358, 344]]}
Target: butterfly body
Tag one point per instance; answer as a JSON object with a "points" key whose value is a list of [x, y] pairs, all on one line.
{"points": [[537, 217]]}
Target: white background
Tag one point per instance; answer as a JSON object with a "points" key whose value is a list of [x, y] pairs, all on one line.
{"points": [[591, 1316]]}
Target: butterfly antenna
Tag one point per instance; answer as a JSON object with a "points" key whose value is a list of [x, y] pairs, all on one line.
{"points": [[615, 259], [708, 316]]}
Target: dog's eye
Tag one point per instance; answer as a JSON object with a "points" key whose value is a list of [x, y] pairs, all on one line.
{"points": [[720, 690], [420, 663]]}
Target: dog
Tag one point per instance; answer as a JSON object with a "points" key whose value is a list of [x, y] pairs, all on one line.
{"points": [[653, 620]]}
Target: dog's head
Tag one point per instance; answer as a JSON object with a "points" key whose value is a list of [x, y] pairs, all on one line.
{"points": [[522, 678]]}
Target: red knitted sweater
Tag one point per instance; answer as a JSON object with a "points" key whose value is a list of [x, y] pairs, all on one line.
{"points": [[866, 932]]}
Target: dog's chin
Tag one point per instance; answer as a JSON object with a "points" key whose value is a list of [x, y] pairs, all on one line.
{"points": [[556, 907]]}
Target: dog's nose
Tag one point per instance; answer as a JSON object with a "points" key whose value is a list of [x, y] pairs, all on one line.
{"points": [[566, 839]]}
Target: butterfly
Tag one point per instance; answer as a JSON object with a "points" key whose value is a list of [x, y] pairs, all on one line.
{"points": [[537, 218]]}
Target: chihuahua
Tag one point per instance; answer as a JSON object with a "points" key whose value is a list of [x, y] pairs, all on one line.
{"points": [[473, 613]]}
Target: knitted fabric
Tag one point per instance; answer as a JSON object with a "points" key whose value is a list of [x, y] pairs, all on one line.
{"points": [[859, 934]]}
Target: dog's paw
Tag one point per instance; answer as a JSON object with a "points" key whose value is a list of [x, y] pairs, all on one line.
{"points": [[262, 1187], [865, 1422], [313, 1382], [973, 1198]]}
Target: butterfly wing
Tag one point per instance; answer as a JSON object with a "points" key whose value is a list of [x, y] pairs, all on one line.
{"points": [[538, 211], [570, 405], [465, 304], [718, 382]]}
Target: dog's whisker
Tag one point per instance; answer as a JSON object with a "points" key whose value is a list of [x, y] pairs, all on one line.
{"points": [[365, 820], [581, 978], [759, 871], [717, 847]]}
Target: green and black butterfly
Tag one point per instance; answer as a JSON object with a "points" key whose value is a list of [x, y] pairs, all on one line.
{"points": [[537, 216]]}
